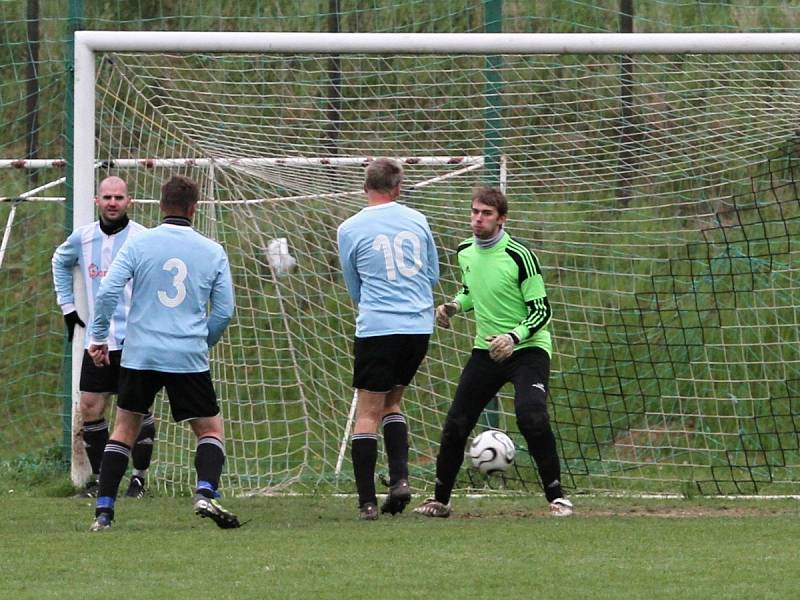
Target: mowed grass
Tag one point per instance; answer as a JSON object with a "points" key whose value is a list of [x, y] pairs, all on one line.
{"points": [[314, 547]]}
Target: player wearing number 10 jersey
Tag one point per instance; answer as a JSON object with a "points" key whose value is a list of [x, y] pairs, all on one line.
{"points": [[390, 266], [176, 274]]}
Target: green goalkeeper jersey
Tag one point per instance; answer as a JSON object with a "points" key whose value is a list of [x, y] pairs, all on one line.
{"points": [[504, 286]]}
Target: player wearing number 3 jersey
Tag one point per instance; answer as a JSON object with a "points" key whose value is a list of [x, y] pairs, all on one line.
{"points": [[176, 274], [390, 266], [176, 271]]}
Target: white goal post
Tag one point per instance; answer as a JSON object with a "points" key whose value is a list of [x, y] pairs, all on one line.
{"points": [[632, 189]]}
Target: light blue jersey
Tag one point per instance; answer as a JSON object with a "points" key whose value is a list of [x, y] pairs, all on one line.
{"points": [[176, 273], [390, 266], [92, 250]]}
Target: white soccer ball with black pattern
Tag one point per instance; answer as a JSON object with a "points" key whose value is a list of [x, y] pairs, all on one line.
{"points": [[491, 452]]}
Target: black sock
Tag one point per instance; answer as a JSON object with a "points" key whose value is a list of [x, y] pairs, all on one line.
{"points": [[95, 438], [449, 459], [553, 490], [534, 425], [364, 452], [208, 461], [143, 448], [113, 467], [542, 448], [395, 438], [442, 491]]}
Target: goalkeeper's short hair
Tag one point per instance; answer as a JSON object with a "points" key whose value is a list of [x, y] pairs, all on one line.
{"points": [[491, 197]]}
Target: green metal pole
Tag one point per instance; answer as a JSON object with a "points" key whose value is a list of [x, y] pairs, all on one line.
{"points": [[493, 134], [627, 130], [74, 23], [493, 118], [32, 88], [334, 111]]}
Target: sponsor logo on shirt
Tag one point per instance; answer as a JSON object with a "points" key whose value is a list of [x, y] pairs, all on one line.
{"points": [[95, 272]]}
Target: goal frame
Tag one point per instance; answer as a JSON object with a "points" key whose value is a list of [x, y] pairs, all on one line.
{"points": [[88, 43]]}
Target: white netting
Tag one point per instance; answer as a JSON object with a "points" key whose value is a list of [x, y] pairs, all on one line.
{"points": [[663, 220]]}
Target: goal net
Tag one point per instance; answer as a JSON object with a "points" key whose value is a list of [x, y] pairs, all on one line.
{"points": [[658, 190]]}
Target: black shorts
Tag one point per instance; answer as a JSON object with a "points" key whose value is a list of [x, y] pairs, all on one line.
{"points": [[100, 380], [191, 395], [384, 361], [528, 370]]}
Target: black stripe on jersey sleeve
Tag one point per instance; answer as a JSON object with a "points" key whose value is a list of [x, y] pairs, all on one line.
{"points": [[461, 247], [526, 262], [522, 268], [539, 314], [529, 258]]}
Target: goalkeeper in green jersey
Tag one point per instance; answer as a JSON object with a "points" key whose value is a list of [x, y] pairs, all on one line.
{"points": [[503, 285]]}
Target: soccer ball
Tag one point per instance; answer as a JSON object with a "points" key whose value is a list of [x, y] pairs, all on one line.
{"points": [[280, 260], [491, 452]]}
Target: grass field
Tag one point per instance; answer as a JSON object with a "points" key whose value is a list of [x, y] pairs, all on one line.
{"points": [[314, 547]]}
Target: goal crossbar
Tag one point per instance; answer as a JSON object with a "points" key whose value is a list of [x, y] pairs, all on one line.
{"points": [[438, 43]]}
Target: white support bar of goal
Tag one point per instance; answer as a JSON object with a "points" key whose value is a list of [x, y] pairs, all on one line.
{"points": [[346, 436], [10, 221], [149, 163]]}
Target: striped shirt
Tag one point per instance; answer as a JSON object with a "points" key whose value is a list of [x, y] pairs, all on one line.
{"points": [[93, 251]]}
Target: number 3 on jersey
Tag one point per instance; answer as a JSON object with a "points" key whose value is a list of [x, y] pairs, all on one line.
{"points": [[177, 265], [394, 256]]}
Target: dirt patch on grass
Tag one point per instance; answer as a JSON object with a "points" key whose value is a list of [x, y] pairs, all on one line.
{"points": [[691, 512], [669, 510]]}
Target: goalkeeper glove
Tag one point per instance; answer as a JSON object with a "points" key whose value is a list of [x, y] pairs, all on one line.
{"points": [[72, 319], [444, 312], [502, 346]]}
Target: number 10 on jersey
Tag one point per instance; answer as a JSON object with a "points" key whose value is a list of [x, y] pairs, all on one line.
{"points": [[394, 256]]}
